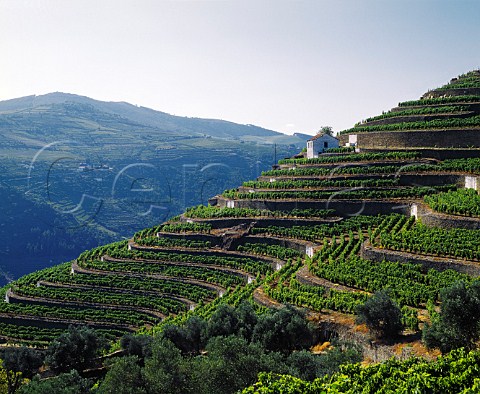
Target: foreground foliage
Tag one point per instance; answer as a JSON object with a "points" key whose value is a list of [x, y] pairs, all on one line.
{"points": [[381, 315], [458, 372], [458, 323], [223, 354]]}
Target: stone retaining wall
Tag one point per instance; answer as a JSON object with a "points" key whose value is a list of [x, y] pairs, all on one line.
{"points": [[453, 92], [440, 154], [343, 208], [369, 252], [432, 218], [438, 138], [416, 118], [299, 245], [262, 222]]}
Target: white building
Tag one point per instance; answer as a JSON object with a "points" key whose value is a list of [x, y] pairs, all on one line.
{"points": [[319, 144]]}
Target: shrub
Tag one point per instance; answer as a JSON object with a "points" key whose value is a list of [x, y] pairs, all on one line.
{"points": [[381, 315], [74, 349], [458, 323]]}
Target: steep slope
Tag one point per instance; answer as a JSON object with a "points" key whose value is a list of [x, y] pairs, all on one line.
{"points": [[255, 243], [92, 172], [322, 234], [444, 118]]}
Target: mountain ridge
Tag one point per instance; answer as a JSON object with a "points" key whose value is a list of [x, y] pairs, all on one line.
{"points": [[143, 115]]}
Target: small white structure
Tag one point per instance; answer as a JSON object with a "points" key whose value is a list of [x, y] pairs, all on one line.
{"points": [[352, 140], [472, 182], [319, 144], [414, 211], [309, 251]]}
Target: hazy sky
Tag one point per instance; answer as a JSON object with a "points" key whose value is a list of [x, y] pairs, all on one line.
{"points": [[284, 65]]}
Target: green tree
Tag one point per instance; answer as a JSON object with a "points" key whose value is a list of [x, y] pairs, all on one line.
{"points": [[308, 366], [224, 322], [458, 323], [189, 338], [123, 377], [247, 320], [137, 345], [5, 379], [74, 349], [20, 363], [381, 315], [285, 330], [326, 130], [166, 371], [67, 383], [233, 364]]}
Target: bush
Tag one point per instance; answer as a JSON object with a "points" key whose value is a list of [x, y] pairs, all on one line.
{"points": [[124, 377], [285, 330], [381, 315], [189, 338], [74, 349], [136, 345], [67, 383], [458, 323]]}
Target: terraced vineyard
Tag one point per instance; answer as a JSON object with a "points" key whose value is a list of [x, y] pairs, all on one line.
{"points": [[447, 117], [322, 234], [280, 239]]}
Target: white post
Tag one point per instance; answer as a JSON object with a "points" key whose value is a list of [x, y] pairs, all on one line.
{"points": [[414, 211], [471, 182], [309, 251]]}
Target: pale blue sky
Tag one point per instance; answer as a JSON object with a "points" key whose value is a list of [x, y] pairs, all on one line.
{"points": [[285, 65]]}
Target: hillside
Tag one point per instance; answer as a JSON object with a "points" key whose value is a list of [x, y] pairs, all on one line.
{"points": [[78, 173], [445, 118], [323, 234]]}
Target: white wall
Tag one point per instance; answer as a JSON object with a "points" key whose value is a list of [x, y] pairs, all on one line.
{"points": [[471, 182]]}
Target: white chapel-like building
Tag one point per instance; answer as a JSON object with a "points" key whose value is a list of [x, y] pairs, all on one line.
{"points": [[319, 144]]}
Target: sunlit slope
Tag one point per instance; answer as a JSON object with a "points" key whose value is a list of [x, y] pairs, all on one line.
{"points": [[322, 234], [443, 118]]}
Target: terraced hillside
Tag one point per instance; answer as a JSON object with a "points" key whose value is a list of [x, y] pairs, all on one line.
{"points": [[446, 117], [323, 234]]}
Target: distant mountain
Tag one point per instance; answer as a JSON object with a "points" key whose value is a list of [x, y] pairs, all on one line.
{"points": [[147, 117], [303, 136]]}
